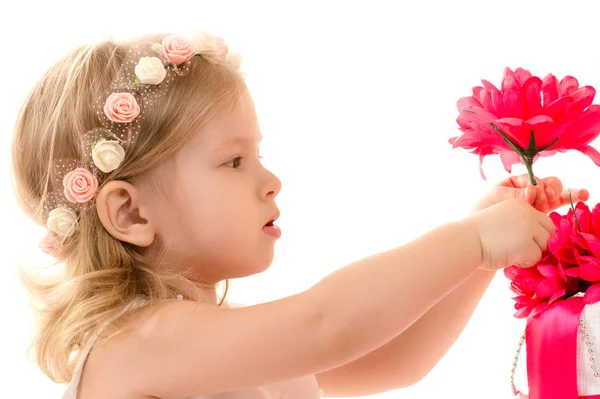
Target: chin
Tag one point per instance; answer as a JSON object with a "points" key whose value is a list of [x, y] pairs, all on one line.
{"points": [[256, 269], [251, 268]]}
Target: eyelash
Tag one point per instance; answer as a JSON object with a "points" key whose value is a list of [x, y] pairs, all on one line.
{"points": [[237, 161]]}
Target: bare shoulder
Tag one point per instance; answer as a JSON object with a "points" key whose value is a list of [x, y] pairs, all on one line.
{"points": [[186, 349], [109, 370]]}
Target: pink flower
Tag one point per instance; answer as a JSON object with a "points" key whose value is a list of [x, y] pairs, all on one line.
{"points": [[177, 49], [221, 48], [538, 287], [121, 107], [80, 185], [543, 116], [589, 272], [571, 264], [50, 243], [583, 239], [577, 234]]}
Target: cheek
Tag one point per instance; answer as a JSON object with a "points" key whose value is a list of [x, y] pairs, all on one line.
{"points": [[212, 214], [222, 199]]}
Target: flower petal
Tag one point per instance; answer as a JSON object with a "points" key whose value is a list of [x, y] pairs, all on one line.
{"points": [[511, 272], [547, 288], [509, 158], [538, 308], [572, 272], [583, 130], [467, 103], [514, 102], [589, 272], [557, 295], [592, 294], [593, 243], [548, 271], [492, 98], [517, 131], [557, 108], [543, 128], [522, 75], [590, 152], [549, 89], [533, 99], [568, 85], [509, 80], [583, 98], [522, 313]]}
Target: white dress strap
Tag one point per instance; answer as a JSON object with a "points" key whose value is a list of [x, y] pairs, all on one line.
{"points": [[90, 340]]}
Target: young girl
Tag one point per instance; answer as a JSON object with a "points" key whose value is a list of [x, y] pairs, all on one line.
{"points": [[142, 160]]}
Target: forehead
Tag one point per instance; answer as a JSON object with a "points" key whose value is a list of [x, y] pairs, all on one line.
{"points": [[237, 125]]}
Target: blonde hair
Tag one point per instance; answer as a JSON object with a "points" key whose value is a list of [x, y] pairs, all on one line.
{"points": [[101, 275]]}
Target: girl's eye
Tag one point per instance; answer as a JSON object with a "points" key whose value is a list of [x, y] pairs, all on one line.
{"points": [[234, 163]]}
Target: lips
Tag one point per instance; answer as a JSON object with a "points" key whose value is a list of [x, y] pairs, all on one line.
{"points": [[273, 219], [270, 228]]}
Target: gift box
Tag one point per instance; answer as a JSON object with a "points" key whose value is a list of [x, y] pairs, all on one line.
{"points": [[561, 347]]}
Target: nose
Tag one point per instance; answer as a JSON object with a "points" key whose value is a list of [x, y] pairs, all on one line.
{"points": [[272, 185]]}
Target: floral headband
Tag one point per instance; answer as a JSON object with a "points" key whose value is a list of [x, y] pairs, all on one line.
{"points": [[143, 78]]}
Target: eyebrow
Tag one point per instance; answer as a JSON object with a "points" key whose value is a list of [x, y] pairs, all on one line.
{"points": [[237, 140]]}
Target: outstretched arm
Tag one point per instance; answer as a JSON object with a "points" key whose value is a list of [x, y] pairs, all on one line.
{"points": [[412, 355]]}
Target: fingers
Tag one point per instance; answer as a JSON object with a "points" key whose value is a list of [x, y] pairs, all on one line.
{"points": [[541, 199], [547, 195], [577, 194], [521, 181], [521, 187], [541, 236], [529, 194], [534, 254], [546, 223], [553, 187]]}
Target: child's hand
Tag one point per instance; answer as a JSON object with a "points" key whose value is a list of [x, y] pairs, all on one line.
{"points": [[511, 233], [546, 196]]}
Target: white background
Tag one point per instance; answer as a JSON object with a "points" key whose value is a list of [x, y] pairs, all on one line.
{"points": [[356, 102]]}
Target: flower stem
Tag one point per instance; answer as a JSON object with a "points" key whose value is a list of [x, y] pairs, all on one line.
{"points": [[526, 160], [574, 212], [529, 166]]}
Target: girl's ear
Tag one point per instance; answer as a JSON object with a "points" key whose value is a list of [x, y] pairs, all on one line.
{"points": [[123, 215]]}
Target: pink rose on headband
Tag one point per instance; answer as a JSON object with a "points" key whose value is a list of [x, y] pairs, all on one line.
{"points": [[121, 107], [221, 47], [177, 49], [80, 185], [50, 243]]}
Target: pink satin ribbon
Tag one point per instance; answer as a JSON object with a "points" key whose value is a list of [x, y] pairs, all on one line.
{"points": [[551, 339], [523, 396]]}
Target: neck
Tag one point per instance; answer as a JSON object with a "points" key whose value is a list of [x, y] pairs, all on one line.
{"points": [[206, 293]]}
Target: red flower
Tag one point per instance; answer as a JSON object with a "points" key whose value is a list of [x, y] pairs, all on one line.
{"points": [[571, 264], [540, 117], [538, 287], [589, 271]]}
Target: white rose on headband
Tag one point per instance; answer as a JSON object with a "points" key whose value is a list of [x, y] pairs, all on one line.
{"points": [[62, 221], [204, 42], [108, 155], [150, 70], [234, 59]]}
